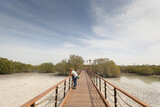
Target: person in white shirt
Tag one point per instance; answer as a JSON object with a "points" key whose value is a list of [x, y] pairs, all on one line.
{"points": [[74, 77]]}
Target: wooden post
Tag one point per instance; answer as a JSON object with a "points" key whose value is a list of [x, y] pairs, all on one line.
{"points": [[115, 97], [56, 96], [33, 105], [99, 84], [105, 90], [69, 84], [72, 83], [64, 89], [96, 81], [89, 65]]}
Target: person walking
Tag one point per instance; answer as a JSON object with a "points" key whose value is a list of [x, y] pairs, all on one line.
{"points": [[74, 77]]}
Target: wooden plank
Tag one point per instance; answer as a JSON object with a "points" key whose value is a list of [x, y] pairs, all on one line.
{"points": [[64, 100], [85, 95], [103, 98]]}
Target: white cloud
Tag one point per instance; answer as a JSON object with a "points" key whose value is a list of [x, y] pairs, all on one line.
{"points": [[130, 33], [140, 20], [15, 26], [68, 45], [155, 49], [105, 44]]}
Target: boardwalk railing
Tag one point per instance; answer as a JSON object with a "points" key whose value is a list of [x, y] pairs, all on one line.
{"points": [[52, 96], [114, 95]]}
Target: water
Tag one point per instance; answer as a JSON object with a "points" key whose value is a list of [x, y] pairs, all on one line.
{"points": [[18, 88], [145, 88]]}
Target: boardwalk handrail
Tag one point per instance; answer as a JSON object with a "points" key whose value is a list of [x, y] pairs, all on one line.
{"points": [[55, 91], [97, 80]]}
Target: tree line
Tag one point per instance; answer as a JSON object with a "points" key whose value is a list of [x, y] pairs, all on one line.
{"points": [[9, 66], [105, 68], [102, 66], [141, 69]]}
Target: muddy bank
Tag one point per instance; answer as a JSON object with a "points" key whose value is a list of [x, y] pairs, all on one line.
{"points": [[18, 88]]}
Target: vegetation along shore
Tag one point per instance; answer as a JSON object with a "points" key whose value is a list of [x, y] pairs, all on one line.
{"points": [[102, 66]]}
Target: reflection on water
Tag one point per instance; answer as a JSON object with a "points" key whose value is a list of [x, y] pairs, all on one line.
{"points": [[133, 78]]}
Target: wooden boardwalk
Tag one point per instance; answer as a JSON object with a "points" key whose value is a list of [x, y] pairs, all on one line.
{"points": [[85, 95]]}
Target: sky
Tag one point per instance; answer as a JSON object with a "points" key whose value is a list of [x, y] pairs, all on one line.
{"points": [[38, 31]]}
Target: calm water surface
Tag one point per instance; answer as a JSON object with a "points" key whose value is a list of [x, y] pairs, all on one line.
{"points": [[145, 88]]}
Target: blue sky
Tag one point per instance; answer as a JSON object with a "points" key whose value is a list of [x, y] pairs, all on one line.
{"points": [[37, 31]]}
